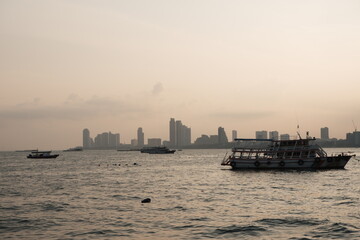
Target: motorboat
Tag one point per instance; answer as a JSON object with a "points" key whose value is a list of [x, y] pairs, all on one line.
{"points": [[157, 150], [42, 154], [282, 154]]}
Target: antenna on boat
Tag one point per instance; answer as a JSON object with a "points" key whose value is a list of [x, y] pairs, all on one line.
{"points": [[298, 131], [354, 126]]}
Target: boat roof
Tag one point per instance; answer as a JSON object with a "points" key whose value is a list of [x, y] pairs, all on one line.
{"points": [[272, 140], [253, 139]]}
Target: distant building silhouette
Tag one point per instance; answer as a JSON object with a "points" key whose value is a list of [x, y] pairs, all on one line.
{"points": [[285, 136], [203, 140], [324, 133], [154, 142], [86, 139], [140, 137], [172, 132], [180, 135], [234, 135], [353, 139], [261, 135], [114, 139], [222, 138], [106, 140], [134, 142], [274, 135]]}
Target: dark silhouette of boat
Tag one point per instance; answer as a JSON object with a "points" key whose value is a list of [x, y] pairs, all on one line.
{"points": [[283, 154], [157, 150], [75, 149], [42, 154]]}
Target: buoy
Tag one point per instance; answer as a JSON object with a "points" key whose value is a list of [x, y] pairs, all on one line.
{"points": [[146, 200]]}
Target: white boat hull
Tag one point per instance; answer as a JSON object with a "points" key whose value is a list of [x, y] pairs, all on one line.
{"points": [[337, 162]]}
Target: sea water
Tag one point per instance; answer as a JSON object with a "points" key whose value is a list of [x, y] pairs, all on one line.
{"points": [[98, 194]]}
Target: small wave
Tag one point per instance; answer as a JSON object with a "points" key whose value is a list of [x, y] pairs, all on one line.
{"points": [[18, 224], [57, 207], [251, 230], [337, 230], [290, 221], [345, 203], [95, 232]]}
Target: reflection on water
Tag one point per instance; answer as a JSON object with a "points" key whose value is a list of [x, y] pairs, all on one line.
{"points": [[97, 194]]}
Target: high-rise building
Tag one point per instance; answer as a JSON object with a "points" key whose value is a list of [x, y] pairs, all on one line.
{"points": [[114, 139], [234, 135], [186, 135], [324, 133], [172, 132], [179, 133], [261, 135], [222, 136], [274, 135], [104, 140], [284, 136], [86, 139], [140, 137]]}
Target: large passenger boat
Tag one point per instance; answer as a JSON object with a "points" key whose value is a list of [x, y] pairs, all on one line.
{"points": [[282, 154], [157, 150], [42, 154]]}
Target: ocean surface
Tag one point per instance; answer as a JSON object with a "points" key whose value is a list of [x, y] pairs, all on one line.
{"points": [[97, 195]]}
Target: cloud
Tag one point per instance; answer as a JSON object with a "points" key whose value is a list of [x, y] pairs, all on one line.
{"points": [[246, 115], [74, 108], [157, 89]]}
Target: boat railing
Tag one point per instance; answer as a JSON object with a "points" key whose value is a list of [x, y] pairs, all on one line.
{"points": [[320, 151]]}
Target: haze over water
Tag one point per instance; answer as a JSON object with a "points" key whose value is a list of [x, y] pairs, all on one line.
{"points": [[97, 195], [119, 65]]}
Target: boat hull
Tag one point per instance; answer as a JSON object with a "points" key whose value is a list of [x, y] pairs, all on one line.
{"points": [[40, 157], [337, 162]]}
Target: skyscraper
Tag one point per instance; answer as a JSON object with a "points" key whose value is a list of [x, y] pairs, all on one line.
{"points": [[186, 135], [234, 135], [324, 132], [140, 137], [86, 139], [172, 132], [179, 133], [222, 136], [261, 135], [274, 135]]}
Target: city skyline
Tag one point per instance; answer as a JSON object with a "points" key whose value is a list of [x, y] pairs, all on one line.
{"points": [[118, 65], [179, 136]]}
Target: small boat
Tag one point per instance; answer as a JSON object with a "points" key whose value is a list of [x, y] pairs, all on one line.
{"points": [[75, 149], [42, 154], [283, 154], [157, 150]]}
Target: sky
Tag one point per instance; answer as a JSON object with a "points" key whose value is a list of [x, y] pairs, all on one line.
{"points": [[114, 65]]}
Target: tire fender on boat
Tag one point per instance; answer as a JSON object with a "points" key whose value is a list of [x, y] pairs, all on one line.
{"points": [[282, 163], [257, 164], [301, 162]]}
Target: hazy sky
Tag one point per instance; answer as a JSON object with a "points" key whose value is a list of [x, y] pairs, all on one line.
{"points": [[119, 65]]}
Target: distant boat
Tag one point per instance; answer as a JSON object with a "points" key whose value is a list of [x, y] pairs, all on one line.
{"points": [[283, 154], [75, 149], [42, 154], [128, 150], [157, 150]]}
